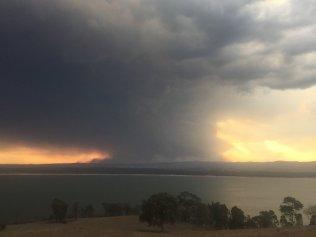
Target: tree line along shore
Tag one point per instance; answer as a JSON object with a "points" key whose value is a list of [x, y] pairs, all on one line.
{"points": [[162, 208]]}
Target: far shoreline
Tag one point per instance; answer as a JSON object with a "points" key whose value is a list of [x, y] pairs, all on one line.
{"points": [[291, 176], [187, 168]]}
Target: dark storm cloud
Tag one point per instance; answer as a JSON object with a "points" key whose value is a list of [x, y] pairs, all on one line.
{"points": [[126, 76]]}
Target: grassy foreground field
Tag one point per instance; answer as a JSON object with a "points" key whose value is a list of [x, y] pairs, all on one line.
{"points": [[130, 227]]}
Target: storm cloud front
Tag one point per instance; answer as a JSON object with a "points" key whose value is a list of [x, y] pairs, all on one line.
{"points": [[142, 81]]}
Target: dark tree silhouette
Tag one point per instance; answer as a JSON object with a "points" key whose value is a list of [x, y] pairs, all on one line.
{"points": [[284, 221], [219, 215], [202, 215], [187, 204], [159, 209], [59, 209], [237, 218], [290, 208], [251, 222], [265, 219], [191, 209]]}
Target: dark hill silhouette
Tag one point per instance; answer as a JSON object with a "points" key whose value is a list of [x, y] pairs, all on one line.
{"points": [[251, 169]]}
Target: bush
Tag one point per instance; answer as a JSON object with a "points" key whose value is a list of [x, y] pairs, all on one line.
{"points": [[159, 209], [59, 209]]}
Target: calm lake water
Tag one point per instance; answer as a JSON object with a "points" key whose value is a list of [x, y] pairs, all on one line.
{"points": [[29, 196]]}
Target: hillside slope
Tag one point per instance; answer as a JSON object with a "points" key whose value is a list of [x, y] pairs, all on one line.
{"points": [[129, 226]]}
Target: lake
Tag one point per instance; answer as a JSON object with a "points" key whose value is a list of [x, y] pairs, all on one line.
{"points": [[29, 196]]}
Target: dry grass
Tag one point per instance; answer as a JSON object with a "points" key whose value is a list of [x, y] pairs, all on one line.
{"points": [[130, 227]]}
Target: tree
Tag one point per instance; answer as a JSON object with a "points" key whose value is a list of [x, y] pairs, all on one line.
{"points": [[187, 198], [191, 210], [237, 218], [159, 209], [283, 221], [251, 222], [201, 215], [59, 209], [219, 215], [289, 209], [265, 219], [186, 203]]}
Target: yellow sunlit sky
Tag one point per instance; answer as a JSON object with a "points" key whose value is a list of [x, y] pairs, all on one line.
{"points": [[278, 126]]}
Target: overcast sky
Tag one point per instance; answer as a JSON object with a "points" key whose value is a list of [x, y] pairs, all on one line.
{"points": [[157, 80]]}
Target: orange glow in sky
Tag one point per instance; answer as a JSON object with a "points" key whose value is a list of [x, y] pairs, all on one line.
{"points": [[22, 154]]}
